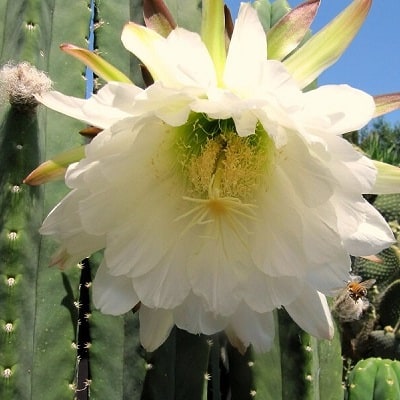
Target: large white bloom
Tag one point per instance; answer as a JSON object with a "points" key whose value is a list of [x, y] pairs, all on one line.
{"points": [[218, 201]]}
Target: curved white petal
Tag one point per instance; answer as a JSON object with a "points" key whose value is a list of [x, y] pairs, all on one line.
{"points": [[372, 235], [112, 103], [192, 316], [275, 291], [311, 312], [158, 288], [166, 58], [254, 328], [247, 50], [355, 173], [341, 108], [65, 224], [216, 284], [113, 295], [169, 104], [296, 161], [155, 327]]}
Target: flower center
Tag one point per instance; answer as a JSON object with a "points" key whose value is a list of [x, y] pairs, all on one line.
{"points": [[217, 163], [223, 175]]}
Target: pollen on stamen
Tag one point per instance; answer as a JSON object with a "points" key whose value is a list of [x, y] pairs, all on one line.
{"points": [[201, 168], [235, 166], [244, 167]]}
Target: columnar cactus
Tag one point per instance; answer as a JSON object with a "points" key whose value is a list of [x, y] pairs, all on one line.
{"points": [[36, 325]]}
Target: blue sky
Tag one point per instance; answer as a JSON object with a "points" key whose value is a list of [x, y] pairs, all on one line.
{"points": [[372, 61]]}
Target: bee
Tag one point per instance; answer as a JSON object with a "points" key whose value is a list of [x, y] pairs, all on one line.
{"points": [[357, 289], [351, 301]]}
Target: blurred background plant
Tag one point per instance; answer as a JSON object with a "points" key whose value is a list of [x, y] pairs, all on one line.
{"points": [[381, 141]]}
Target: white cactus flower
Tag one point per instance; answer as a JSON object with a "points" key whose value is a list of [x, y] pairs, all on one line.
{"points": [[220, 192]]}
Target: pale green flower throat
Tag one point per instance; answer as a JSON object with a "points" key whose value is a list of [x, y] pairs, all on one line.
{"points": [[217, 163]]}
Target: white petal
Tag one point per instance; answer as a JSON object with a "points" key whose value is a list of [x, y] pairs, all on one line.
{"points": [[114, 141], [220, 104], [247, 51], [354, 172], [311, 312], [170, 105], [253, 328], [102, 110], [198, 68], [245, 123], [166, 58], [217, 278], [264, 293], [217, 283], [341, 107], [158, 287], [113, 295], [192, 316], [65, 224], [155, 327], [373, 233], [306, 173], [278, 218]]}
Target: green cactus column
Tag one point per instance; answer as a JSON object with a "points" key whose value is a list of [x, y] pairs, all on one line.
{"points": [[375, 379], [19, 252], [37, 359]]}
